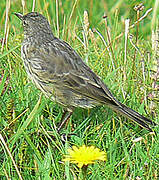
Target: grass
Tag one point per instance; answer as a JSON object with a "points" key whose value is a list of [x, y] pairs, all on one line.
{"points": [[30, 146]]}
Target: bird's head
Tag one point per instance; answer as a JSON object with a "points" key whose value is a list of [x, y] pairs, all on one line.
{"points": [[34, 23]]}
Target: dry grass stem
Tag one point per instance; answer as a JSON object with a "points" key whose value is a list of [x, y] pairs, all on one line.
{"points": [[6, 28], [127, 21]]}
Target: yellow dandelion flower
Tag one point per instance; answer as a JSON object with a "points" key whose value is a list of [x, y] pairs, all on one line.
{"points": [[84, 155]]}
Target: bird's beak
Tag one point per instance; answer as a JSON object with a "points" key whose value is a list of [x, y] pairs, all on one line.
{"points": [[20, 16]]}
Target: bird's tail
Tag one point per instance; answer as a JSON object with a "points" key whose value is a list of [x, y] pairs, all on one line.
{"points": [[135, 116]]}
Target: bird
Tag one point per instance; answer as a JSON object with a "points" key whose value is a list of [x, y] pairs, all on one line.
{"points": [[61, 74]]}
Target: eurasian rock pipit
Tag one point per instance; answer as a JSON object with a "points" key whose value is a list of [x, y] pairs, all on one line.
{"points": [[59, 72]]}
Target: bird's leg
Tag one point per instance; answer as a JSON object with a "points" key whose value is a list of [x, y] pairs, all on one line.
{"points": [[65, 119]]}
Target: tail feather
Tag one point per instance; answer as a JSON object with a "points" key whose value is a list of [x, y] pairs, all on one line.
{"points": [[135, 116]]}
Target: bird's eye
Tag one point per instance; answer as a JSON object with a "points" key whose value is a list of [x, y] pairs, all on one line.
{"points": [[25, 23]]}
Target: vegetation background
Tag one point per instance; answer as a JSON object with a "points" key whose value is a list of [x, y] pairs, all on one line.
{"points": [[30, 147]]}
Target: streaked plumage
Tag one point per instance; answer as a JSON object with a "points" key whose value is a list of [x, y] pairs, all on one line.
{"points": [[59, 72]]}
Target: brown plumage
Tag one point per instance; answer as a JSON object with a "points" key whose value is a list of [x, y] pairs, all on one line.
{"points": [[59, 72]]}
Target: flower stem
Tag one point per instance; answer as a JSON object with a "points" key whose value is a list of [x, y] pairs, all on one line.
{"points": [[84, 171]]}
